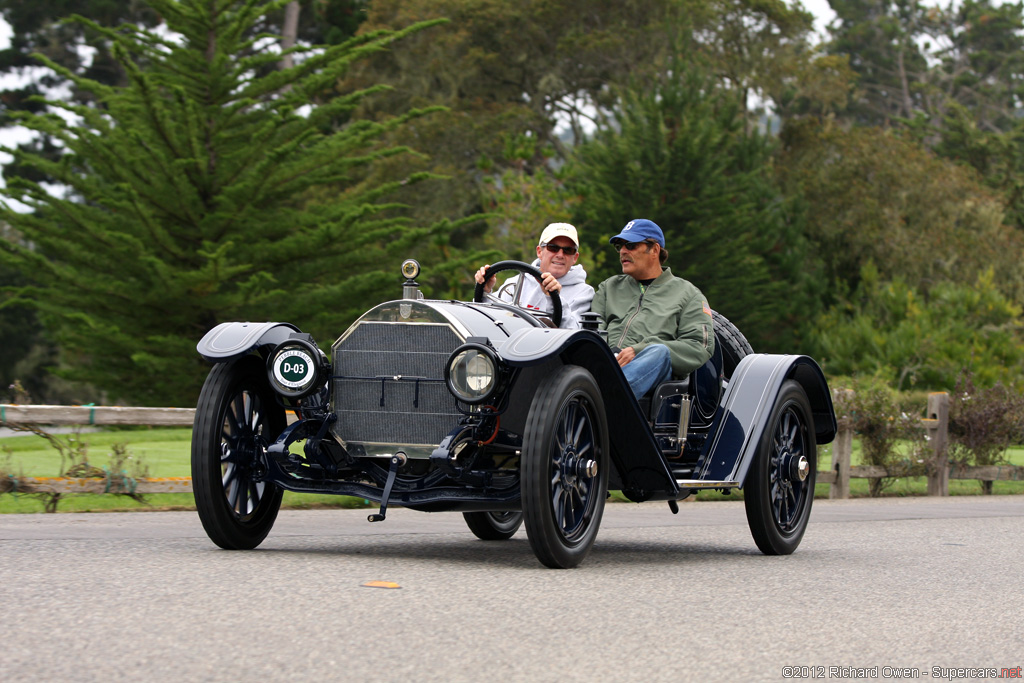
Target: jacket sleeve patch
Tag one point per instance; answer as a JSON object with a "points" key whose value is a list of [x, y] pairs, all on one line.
{"points": [[707, 309]]}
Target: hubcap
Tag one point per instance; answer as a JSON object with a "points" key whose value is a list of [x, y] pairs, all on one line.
{"points": [[788, 471], [241, 438], [573, 468]]}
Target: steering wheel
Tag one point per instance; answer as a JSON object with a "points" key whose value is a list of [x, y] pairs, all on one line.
{"points": [[556, 300]]}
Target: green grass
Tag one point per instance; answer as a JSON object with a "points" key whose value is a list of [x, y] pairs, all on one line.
{"points": [[165, 452]]}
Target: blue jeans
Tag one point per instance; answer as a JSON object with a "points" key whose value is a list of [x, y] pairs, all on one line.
{"points": [[648, 369]]}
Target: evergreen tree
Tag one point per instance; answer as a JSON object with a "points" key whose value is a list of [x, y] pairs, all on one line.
{"points": [[186, 199], [875, 196], [679, 155], [881, 39]]}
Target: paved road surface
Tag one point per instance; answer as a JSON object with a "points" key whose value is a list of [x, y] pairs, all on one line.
{"points": [[934, 585]]}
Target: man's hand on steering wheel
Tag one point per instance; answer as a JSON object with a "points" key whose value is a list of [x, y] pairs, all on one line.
{"points": [[549, 283], [479, 277], [485, 281]]}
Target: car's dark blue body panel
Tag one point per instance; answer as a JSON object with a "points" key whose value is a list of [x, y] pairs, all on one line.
{"points": [[746, 405]]}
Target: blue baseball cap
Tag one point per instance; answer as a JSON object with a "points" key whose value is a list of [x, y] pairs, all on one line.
{"points": [[639, 230]]}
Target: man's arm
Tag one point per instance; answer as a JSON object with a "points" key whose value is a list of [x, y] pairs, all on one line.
{"points": [[694, 338], [574, 307]]}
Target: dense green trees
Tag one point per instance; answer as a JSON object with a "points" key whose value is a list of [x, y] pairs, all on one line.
{"points": [[185, 200], [792, 181], [913, 339], [678, 154]]}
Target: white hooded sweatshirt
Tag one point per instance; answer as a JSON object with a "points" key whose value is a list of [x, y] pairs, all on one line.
{"points": [[576, 295]]}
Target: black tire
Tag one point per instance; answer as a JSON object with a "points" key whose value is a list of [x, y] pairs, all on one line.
{"points": [[734, 345], [562, 502], [778, 502], [235, 418], [494, 526]]}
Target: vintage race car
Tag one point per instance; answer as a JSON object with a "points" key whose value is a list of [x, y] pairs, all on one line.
{"points": [[492, 410]]}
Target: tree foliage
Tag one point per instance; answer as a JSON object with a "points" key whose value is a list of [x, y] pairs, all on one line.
{"points": [[874, 196], [917, 339], [186, 199], [679, 155]]}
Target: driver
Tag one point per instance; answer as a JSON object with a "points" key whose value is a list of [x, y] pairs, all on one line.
{"points": [[557, 252]]}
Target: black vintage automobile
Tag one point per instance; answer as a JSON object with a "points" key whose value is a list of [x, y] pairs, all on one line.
{"points": [[492, 410]]}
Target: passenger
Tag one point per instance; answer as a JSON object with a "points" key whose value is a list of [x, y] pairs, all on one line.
{"points": [[658, 324], [557, 252]]}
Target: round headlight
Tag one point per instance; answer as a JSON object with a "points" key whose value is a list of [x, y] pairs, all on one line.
{"points": [[472, 374], [295, 369], [410, 269]]}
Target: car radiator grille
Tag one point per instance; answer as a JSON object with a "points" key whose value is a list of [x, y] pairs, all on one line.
{"points": [[388, 384]]}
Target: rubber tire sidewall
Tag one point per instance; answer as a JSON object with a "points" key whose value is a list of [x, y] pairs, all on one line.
{"points": [[487, 528], [545, 538], [756, 494], [734, 345], [223, 383]]}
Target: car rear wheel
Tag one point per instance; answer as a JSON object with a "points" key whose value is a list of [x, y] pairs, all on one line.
{"points": [[779, 488], [564, 467], [494, 526], [235, 418]]}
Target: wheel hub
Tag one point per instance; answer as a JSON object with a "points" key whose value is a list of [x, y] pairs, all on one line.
{"points": [[793, 468], [799, 468], [574, 467]]}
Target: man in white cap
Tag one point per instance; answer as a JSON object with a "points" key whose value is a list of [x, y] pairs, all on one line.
{"points": [[557, 253]]}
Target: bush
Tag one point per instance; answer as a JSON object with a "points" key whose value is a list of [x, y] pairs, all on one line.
{"points": [[983, 423], [873, 410], [921, 340]]}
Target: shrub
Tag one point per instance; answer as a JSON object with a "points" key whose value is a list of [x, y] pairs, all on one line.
{"points": [[872, 409], [921, 339], [983, 422]]}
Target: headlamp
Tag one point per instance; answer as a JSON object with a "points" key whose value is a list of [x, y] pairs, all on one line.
{"points": [[472, 373]]}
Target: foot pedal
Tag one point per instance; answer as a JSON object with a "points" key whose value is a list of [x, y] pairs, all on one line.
{"points": [[397, 460]]}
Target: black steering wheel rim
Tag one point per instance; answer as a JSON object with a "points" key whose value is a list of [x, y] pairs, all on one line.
{"points": [[556, 300]]}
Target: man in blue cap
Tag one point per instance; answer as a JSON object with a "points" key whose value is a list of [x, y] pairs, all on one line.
{"points": [[659, 324]]}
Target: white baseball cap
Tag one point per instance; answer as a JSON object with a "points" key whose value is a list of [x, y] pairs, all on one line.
{"points": [[559, 230]]}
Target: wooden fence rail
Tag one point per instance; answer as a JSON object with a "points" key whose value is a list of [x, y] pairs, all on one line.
{"points": [[96, 415], [937, 467]]}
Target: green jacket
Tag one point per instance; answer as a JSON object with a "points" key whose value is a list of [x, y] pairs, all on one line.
{"points": [[671, 311]]}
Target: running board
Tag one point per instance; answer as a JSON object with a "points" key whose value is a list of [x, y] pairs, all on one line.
{"points": [[706, 484]]}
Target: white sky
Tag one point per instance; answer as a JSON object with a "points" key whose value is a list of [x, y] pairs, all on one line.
{"points": [[822, 14]]}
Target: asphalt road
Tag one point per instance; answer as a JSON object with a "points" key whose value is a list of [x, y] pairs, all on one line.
{"points": [[934, 585]]}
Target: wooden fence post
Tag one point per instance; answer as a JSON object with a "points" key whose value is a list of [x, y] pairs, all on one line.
{"points": [[842, 450], [937, 424]]}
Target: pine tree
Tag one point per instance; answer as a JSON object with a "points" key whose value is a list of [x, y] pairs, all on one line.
{"points": [[187, 199]]}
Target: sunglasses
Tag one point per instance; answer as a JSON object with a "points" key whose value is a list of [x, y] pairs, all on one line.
{"points": [[630, 246], [553, 248]]}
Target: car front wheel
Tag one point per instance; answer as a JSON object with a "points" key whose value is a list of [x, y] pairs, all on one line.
{"points": [[564, 467], [235, 418]]}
